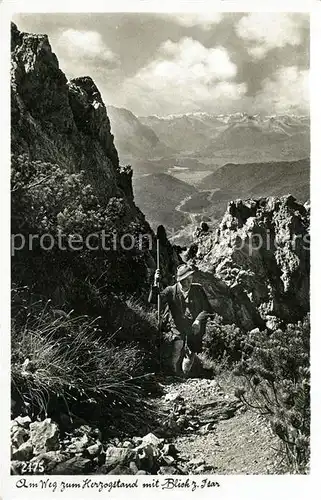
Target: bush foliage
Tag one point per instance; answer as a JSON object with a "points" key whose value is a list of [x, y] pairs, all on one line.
{"points": [[47, 199], [273, 369], [223, 341], [275, 376]]}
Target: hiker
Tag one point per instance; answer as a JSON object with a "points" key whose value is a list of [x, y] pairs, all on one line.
{"points": [[189, 308]]}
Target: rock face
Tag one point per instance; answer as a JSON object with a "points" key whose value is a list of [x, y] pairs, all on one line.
{"points": [[256, 266], [65, 123], [59, 121]]}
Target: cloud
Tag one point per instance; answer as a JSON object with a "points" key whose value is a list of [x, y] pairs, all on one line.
{"points": [[188, 61], [185, 75], [85, 44], [203, 19], [287, 90], [270, 30], [257, 52]]}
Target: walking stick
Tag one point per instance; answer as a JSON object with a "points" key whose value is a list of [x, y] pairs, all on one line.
{"points": [[158, 298]]}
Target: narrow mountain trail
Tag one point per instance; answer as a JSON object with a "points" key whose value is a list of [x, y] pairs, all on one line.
{"points": [[213, 432]]}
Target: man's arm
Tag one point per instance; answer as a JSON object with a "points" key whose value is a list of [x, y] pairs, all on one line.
{"points": [[207, 309], [164, 294], [152, 298]]}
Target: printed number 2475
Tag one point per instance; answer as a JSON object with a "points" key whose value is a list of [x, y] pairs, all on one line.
{"points": [[32, 468]]}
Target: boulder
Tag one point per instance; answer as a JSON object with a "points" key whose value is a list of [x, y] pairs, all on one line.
{"points": [[92, 432], [182, 469], [146, 456], [127, 444], [167, 471], [18, 435], [44, 436], [78, 445], [50, 459], [120, 470], [137, 440], [73, 466], [197, 461], [205, 429], [200, 469], [94, 450], [152, 440], [272, 322], [24, 452], [133, 467], [118, 456], [23, 421]]}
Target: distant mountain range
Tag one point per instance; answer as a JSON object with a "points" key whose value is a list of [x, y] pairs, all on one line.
{"points": [[239, 135], [150, 142]]}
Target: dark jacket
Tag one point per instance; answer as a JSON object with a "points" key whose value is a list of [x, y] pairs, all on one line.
{"points": [[173, 301]]}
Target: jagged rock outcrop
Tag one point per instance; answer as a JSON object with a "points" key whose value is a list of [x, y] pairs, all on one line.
{"points": [[65, 123], [59, 121], [256, 265]]}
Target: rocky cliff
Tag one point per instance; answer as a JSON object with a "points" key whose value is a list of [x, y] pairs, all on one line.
{"points": [[256, 265], [65, 123], [59, 121]]}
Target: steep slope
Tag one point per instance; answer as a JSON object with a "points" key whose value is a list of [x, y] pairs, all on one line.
{"points": [[59, 121], [261, 179], [132, 137]]}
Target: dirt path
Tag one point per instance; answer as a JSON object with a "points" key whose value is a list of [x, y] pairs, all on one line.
{"points": [[213, 432]]}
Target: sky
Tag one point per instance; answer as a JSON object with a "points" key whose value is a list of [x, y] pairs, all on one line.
{"points": [[161, 64]]}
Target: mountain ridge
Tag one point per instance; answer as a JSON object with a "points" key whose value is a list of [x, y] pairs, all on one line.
{"points": [[211, 135]]}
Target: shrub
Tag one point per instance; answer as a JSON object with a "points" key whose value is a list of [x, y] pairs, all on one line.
{"points": [[223, 341], [47, 199], [276, 382]]}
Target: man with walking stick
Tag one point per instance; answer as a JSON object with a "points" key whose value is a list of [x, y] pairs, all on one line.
{"points": [[189, 308]]}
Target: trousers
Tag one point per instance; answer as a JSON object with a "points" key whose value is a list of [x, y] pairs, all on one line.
{"points": [[182, 358]]}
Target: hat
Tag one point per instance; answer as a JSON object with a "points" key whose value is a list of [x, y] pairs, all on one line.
{"points": [[184, 270]]}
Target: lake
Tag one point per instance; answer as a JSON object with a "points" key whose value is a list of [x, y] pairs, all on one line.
{"points": [[193, 177]]}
